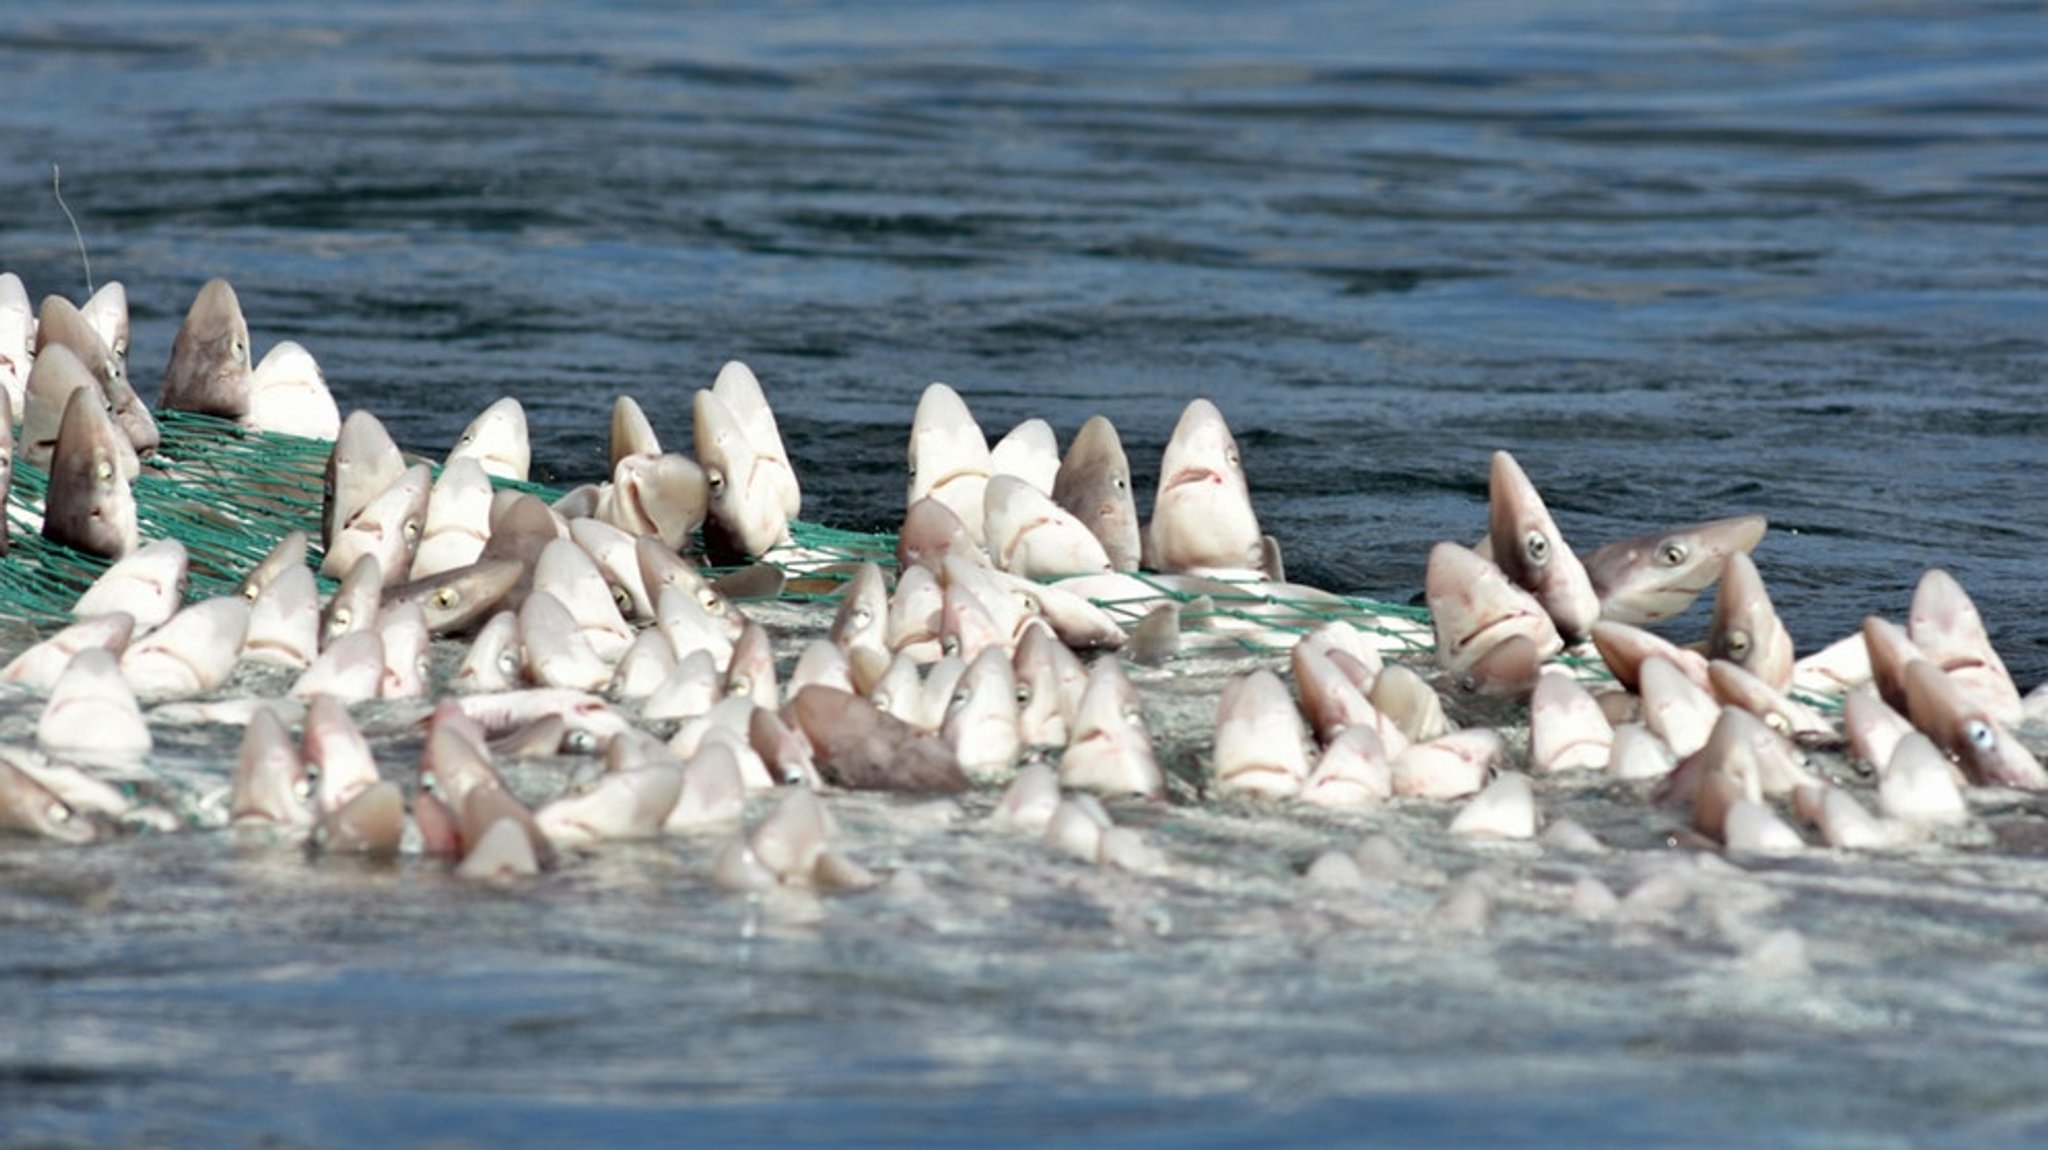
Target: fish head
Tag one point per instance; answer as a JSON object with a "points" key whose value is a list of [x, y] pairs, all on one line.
{"points": [[210, 371], [90, 505], [1527, 545], [948, 456], [743, 503], [1655, 576], [1474, 606], [1745, 629], [497, 439], [1094, 485]]}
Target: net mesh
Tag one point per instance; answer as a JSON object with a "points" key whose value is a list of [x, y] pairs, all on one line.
{"points": [[229, 494]]}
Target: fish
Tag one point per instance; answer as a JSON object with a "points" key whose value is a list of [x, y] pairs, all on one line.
{"points": [[355, 810], [148, 585], [497, 440], [458, 600], [630, 804], [1030, 535], [107, 313], [1030, 452], [29, 807], [209, 372], [1567, 730], [1354, 772], [668, 496], [949, 457], [362, 465], [270, 785], [631, 432], [1094, 486], [1202, 517], [193, 652], [981, 719], [41, 665], [58, 374], [61, 322], [89, 505], [288, 395], [17, 339], [1260, 746], [92, 712], [1647, 578], [1109, 749], [744, 514], [7, 406], [1528, 547], [284, 621], [354, 604], [1943, 623], [1474, 606], [567, 572], [1967, 732], [388, 526], [1745, 629], [740, 390]]}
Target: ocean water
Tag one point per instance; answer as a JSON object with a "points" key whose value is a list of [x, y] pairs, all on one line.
{"points": [[1683, 259]]}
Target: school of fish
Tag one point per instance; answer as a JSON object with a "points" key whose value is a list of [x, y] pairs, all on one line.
{"points": [[997, 653]]}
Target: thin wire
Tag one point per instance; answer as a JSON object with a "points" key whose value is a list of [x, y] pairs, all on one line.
{"points": [[75, 233]]}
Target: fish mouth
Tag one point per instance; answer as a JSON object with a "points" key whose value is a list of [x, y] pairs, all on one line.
{"points": [[1190, 476]]}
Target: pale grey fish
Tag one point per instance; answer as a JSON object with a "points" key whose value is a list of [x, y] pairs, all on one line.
{"points": [[356, 810], [497, 440], [288, 395], [745, 516], [1745, 628], [683, 619], [915, 608], [1891, 651], [372, 823], [1505, 670], [754, 581], [729, 720], [455, 759], [494, 661], [567, 572], [209, 370], [713, 793], [148, 584], [558, 652], [737, 386], [351, 668], [1094, 484], [1624, 647], [1031, 452], [543, 738], [29, 807], [1078, 622], [284, 621], [644, 667], [617, 555], [899, 690], [287, 553], [1331, 699], [862, 621], [388, 526], [39, 667], [931, 531], [1723, 772], [1871, 727], [1077, 826], [1406, 698], [353, 606], [1656, 576], [1567, 729], [935, 694], [667, 496], [1529, 548], [1735, 686], [785, 848], [1029, 801], [459, 599], [17, 338], [966, 625], [631, 804], [86, 794], [662, 568], [949, 457], [1202, 516], [1030, 535], [107, 312], [1835, 668], [1506, 809], [362, 465], [1474, 605], [61, 322], [1010, 602], [486, 811], [89, 505], [1260, 747], [693, 687], [58, 374], [981, 722], [632, 433], [1354, 772], [750, 671], [270, 784], [1109, 748], [784, 750], [859, 747], [822, 662], [1056, 679], [1944, 624], [1918, 785], [1156, 638], [1451, 765], [193, 652], [92, 712], [504, 850], [521, 526], [402, 630], [1680, 711], [1638, 754], [1967, 732]]}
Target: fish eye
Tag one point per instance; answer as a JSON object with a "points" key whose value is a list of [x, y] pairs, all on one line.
{"points": [[861, 617], [714, 478], [1023, 694], [508, 661], [950, 645], [446, 597], [959, 700], [1029, 602], [712, 604], [104, 472], [250, 591], [1737, 643], [1230, 457], [620, 599], [1981, 735], [411, 531], [1118, 481], [59, 813], [1536, 547], [739, 685], [579, 743], [1672, 553], [880, 699], [339, 621]]}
